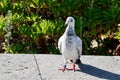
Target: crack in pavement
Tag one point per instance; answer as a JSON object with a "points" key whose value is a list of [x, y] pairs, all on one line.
{"points": [[38, 67]]}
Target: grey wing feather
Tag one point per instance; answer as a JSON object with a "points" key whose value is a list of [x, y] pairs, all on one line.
{"points": [[79, 46]]}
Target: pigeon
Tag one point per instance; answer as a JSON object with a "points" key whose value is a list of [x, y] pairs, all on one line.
{"points": [[70, 45]]}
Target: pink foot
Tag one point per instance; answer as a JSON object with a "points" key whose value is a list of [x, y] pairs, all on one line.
{"points": [[62, 69], [73, 68]]}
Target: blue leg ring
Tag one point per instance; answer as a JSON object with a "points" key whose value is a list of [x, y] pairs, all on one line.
{"points": [[64, 66]]}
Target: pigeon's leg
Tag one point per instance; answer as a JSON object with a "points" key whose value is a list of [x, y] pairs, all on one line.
{"points": [[64, 66], [74, 67]]}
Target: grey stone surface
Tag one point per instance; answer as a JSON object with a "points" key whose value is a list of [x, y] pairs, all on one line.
{"points": [[92, 68], [24, 67], [18, 67]]}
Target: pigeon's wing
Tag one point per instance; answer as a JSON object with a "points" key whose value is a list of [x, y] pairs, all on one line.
{"points": [[60, 44], [79, 46]]}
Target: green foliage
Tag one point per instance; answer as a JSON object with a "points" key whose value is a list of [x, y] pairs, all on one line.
{"points": [[5, 6], [117, 34], [53, 50], [47, 27], [2, 24], [18, 7], [37, 21], [16, 48], [111, 16], [7, 32]]}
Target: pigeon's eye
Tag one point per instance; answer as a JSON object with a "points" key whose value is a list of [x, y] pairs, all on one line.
{"points": [[71, 20]]}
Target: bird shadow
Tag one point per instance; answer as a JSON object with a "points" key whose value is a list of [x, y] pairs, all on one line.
{"points": [[97, 72]]}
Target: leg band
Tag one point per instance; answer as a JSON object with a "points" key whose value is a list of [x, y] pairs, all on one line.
{"points": [[64, 66]]}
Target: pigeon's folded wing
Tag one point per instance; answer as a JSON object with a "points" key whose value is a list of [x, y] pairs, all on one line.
{"points": [[79, 45]]}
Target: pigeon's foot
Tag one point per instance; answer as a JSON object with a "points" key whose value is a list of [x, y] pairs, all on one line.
{"points": [[73, 68], [64, 68]]}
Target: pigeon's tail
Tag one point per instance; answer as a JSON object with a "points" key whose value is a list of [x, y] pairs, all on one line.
{"points": [[78, 61]]}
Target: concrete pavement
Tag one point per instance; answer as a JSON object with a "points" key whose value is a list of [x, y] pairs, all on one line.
{"points": [[24, 67]]}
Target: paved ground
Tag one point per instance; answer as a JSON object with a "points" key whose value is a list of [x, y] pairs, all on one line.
{"points": [[24, 67]]}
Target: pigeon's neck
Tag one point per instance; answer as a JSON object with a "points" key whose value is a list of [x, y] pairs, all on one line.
{"points": [[69, 31]]}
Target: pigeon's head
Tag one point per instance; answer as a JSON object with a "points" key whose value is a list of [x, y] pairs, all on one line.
{"points": [[70, 21]]}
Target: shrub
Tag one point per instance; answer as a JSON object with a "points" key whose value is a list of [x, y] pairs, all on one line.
{"points": [[39, 23]]}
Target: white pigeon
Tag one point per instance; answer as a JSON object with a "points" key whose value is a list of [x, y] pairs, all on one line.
{"points": [[70, 45]]}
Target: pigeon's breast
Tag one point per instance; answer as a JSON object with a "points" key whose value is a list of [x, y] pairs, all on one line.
{"points": [[70, 53], [70, 49]]}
